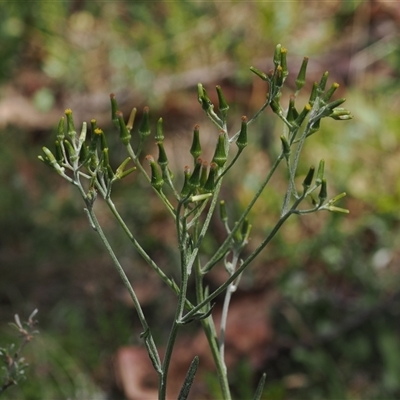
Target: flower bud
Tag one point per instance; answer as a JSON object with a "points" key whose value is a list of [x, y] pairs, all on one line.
{"points": [[49, 156], [156, 178], [308, 179], [330, 206], [259, 73], [194, 181], [83, 153], [275, 106], [320, 172], [93, 125], [69, 149], [120, 171], [335, 103], [61, 129], [51, 160], [313, 94], [292, 113], [245, 230], [301, 77], [341, 114], [203, 174], [222, 211], [124, 134], [337, 209], [59, 153], [222, 104], [195, 149], [106, 164], [337, 198], [323, 194], [203, 98], [277, 55], [285, 71], [96, 137], [162, 156], [70, 123], [237, 236], [330, 91], [144, 129], [210, 184], [103, 141], [131, 119], [279, 78], [303, 114], [220, 155], [241, 141], [114, 109], [159, 131], [186, 189], [82, 136], [322, 82]]}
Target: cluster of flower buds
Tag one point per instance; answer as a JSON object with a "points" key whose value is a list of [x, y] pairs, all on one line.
{"points": [[73, 151], [204, 175], [320, 182], [318, 105]]}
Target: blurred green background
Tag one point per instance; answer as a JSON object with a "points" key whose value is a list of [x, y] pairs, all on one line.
{"points": [[329, 284]]}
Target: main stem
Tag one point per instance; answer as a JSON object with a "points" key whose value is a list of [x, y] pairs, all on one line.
{"points": [[249, 259], [183, 247], [210, 332]]}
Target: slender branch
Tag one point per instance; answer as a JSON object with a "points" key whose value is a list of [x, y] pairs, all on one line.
{"points": [[149, 340], [225, 245], [159, 193], [249, 259], [141, 251], [225, 308], [183, 249]]}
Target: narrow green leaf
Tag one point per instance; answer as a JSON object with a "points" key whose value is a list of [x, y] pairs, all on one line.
{"points": [[260, 387], [187, 384]]}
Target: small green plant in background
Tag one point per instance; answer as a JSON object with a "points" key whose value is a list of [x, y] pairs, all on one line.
{"points": [[85, 163], [13, 364]]}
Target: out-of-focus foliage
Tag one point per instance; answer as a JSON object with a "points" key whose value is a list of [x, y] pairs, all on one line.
{"points": [[92, 46], [337, 279]]}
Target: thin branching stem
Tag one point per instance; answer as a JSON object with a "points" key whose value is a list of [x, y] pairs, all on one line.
{"points": [[225, 245], [159, 193], [151, 346], [181, 227], [192, 214], [245, 263], [225, 308]]}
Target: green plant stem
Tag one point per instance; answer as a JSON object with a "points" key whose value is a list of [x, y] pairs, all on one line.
{"points": [[210, 332], [225, 308], [244, 265], [225, 245], [293, 169], [230, 164], [251, 120], [205, 226], [140, 249], [152, 349], [212, 338], [183, 248], [136, 244], [160, 194]]}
